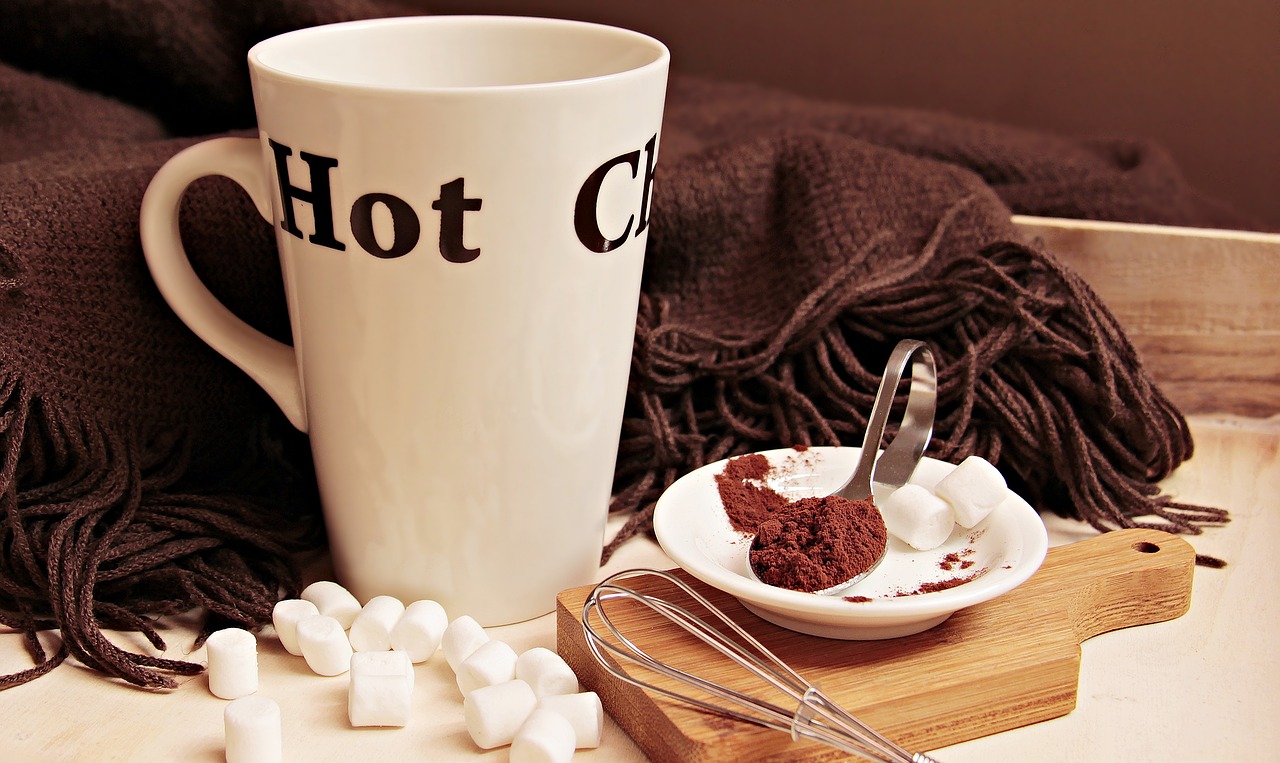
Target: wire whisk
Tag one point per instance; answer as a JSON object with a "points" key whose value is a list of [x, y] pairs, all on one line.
{"points": [[812, 716]]}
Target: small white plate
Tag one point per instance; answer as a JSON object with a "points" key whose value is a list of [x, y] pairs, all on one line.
{"points": [[1002, 551]]}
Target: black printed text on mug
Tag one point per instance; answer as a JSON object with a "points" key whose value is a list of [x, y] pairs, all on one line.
{"points": [[452, 204]]}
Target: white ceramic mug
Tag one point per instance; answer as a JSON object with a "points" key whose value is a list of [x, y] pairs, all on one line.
{"points": [[461, 210]]}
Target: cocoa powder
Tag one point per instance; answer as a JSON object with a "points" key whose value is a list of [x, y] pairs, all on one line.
{"points": [[746, 499], [816, 543], [957, 560], [941, 585], [753, 466], [804, 545]]}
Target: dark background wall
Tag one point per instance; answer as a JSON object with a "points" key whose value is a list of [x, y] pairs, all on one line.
{"points": [[1200, 77]]}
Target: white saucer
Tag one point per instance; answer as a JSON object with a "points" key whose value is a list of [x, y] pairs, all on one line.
{"points": [[1002, 551]]}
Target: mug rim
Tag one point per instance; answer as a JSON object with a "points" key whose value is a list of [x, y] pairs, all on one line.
{"points": [[660, 58]]}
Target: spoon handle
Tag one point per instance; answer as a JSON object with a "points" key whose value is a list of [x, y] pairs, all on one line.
{"points": [[895, 465]]}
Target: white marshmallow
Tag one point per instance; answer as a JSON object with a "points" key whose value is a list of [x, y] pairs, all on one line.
{"points": [[251, 728], [495, 713], [974, 489], [584, 713], [381, 689], [333, 600], [419, 629], [545, 737], [463, 636], [918, 517], [233, 663], [371, 630], [546, 672], [324, 645], [493, 662], [285, 616]]}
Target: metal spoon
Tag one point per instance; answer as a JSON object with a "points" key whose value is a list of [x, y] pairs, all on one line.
{"points": [[878, 477]]}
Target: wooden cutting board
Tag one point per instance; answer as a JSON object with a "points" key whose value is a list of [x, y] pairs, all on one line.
{"points": [[1006, 663]]}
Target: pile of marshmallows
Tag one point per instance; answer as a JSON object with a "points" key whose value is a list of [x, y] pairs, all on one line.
{"points": [[924, 519], [531, 701]]}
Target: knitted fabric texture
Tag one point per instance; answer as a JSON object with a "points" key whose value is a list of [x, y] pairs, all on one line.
{"points": [[793, 243]]}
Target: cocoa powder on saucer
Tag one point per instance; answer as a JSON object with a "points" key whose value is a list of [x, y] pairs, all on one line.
{"points": [[747, 500], [941, 585]]}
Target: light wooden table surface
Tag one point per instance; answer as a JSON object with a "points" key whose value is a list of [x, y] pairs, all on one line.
{"points": [[1205, 686]]}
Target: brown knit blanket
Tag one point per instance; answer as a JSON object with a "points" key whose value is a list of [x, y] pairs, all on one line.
{"points": [[793, 244]]}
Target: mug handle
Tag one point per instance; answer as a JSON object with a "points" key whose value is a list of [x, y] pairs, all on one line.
{"points": [[272, 364]]}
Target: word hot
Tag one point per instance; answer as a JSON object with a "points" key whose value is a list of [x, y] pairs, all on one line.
{"points": [[452, 204]]}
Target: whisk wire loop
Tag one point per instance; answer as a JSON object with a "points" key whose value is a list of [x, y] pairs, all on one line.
{"points": [[691, 624], [815, 715]]}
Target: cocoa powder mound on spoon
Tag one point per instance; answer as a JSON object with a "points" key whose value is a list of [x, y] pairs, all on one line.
{"points": [[806, 545], [816, 543]]}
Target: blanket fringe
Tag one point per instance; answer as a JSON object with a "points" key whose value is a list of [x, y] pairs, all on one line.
{"points": [[1035, 375], [97, 533]]}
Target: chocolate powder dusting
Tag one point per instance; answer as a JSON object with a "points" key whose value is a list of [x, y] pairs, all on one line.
{"points": [[816, 543], [747, 500], [957, 560], [941, 585], [753, 466]]}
